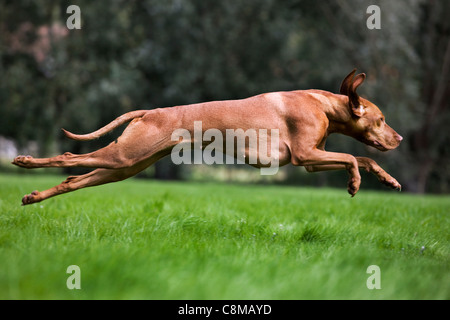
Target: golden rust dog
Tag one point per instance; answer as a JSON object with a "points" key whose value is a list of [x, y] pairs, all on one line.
{"points": [[303, 118]]}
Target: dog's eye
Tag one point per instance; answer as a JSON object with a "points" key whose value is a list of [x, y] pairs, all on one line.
{"points": [[379, 122]]}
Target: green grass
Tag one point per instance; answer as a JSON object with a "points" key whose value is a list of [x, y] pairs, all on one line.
{"points": [[158, 240]]}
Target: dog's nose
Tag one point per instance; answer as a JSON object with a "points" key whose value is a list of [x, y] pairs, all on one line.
{"points": [[399, 138]]}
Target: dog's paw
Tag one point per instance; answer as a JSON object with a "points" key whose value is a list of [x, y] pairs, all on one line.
{"points": [[353, 185], [30, 198], [22, 161], [389, 181]]}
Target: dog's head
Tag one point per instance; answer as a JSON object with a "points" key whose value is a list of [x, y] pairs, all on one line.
{"points": [[368, 123]]}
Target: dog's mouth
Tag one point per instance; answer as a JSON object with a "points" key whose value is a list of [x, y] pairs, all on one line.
{"points": [[379, 146]]}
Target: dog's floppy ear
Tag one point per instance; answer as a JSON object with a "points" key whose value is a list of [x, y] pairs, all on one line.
{"points": [[348, 88], [357, 81], [347, 82], [353, 98]]}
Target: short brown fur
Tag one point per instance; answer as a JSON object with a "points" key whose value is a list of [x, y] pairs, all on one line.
{"points": [[304, 118]]}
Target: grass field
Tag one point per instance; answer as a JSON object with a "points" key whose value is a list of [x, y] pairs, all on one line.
{"points": [[163, 240]]}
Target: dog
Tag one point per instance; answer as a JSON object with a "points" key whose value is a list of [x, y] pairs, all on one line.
{"points": [[303, 118]]}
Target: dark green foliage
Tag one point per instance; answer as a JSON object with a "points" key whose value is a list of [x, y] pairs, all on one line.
{"points": [[146, 54]]}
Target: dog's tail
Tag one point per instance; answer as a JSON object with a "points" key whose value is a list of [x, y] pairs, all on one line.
{"points": [[127, 117]]}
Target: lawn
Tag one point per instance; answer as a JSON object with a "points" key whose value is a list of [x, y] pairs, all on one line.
{"points": [[141, 239]]}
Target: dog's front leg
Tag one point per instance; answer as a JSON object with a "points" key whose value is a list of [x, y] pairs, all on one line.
{"points": [[371, 166], [318, 158], [364, 163]]}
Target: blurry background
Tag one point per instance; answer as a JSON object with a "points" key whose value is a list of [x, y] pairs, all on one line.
{"points": [[147, 54]]}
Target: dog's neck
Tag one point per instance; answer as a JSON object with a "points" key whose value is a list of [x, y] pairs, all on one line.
{"points": [[338, 113]]}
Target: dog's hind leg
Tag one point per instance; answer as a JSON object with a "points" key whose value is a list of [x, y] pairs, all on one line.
{"points": [[94, 178], [72, 183]]}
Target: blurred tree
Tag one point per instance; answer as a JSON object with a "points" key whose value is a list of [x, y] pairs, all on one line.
{"points": [[430, 142], [408, 66], [146, 54]]}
